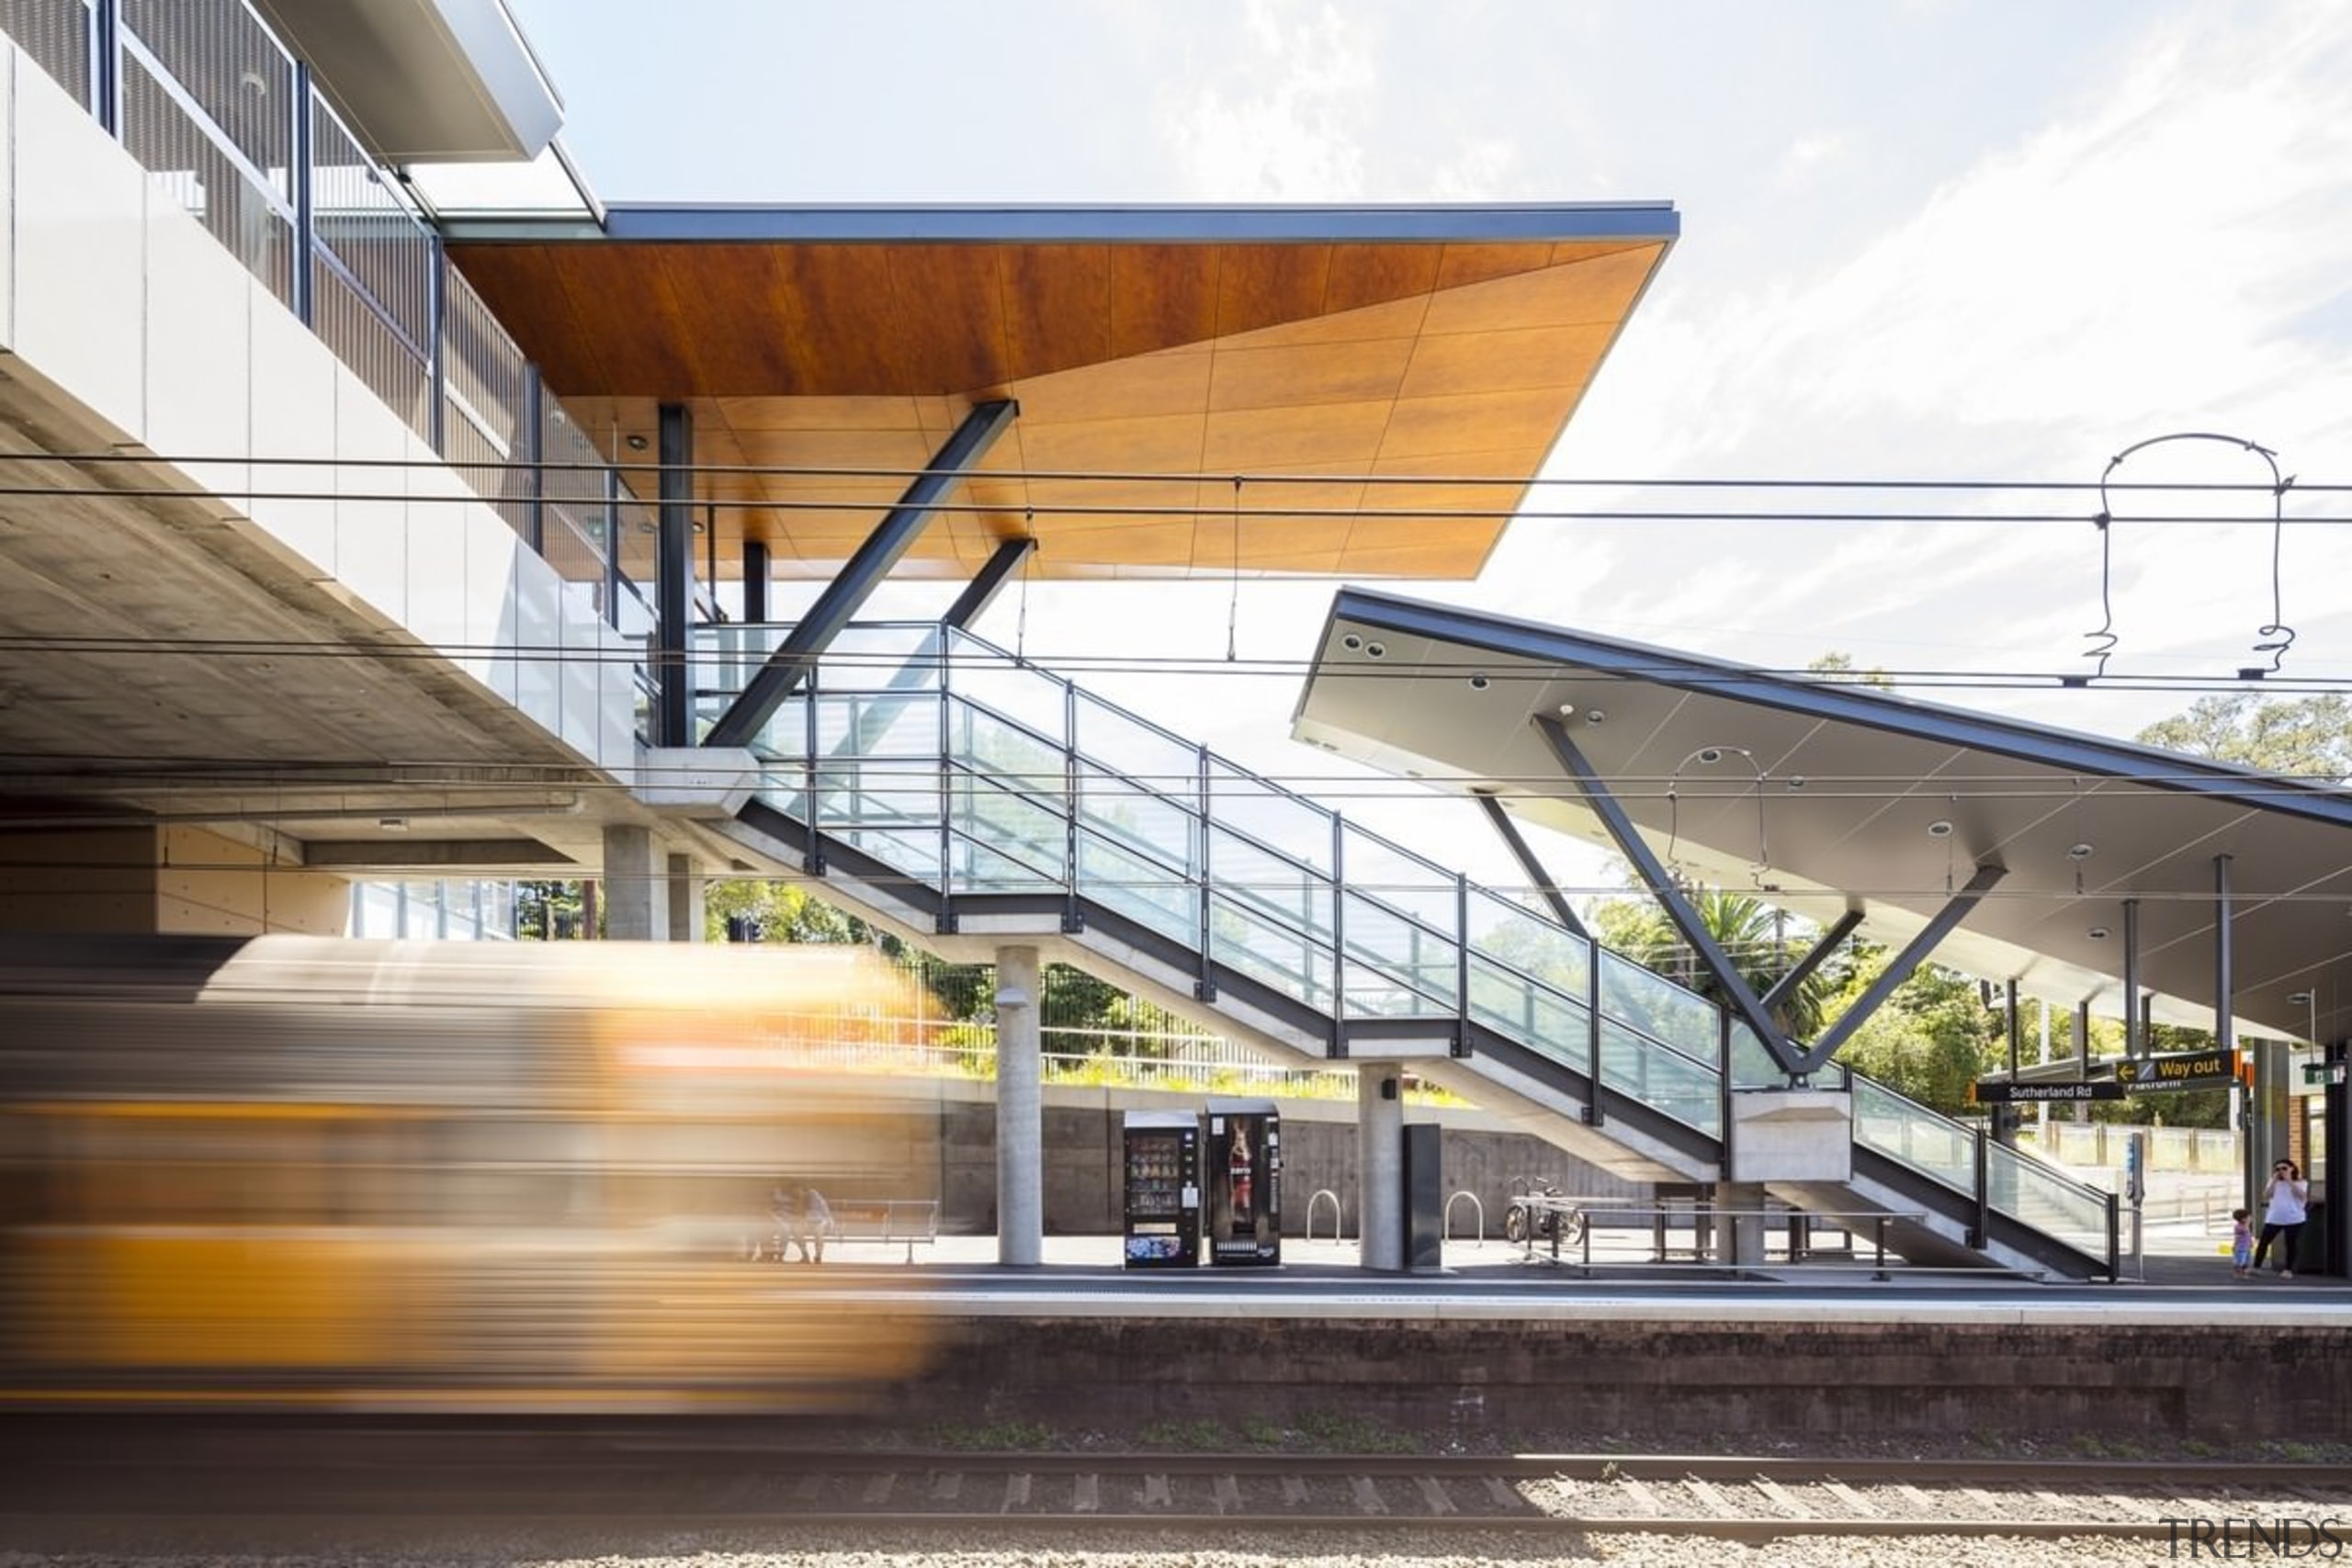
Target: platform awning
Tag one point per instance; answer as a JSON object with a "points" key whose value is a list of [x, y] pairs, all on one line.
{"points": [[1156, 352], [1821, 797]]}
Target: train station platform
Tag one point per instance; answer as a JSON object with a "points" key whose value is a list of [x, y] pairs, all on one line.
{"points": [[1498, 1349]]}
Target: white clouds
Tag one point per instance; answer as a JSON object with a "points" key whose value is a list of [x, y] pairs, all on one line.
{"points": [[2146, 262], [1286, 118], [1812, 157]]}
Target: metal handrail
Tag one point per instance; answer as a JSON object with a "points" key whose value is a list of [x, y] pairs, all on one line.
{"points": [[1445, 1224], [1185, 802]]}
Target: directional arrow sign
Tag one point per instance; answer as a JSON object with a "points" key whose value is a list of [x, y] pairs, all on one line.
{"points": [[2189, 1069]]}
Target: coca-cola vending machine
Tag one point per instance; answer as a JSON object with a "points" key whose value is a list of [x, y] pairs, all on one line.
{"points": [[1163, 1195], [1242, 1164]]}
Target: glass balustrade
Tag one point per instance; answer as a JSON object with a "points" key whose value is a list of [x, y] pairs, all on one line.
{"points": [[959, 766]]}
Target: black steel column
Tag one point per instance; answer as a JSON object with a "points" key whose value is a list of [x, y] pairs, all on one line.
{"points": [[1522, 852], [2135, 1035], [674, 581], [613, 550], [106, 66], [531, 448], [1204, 982], [2225, 1003], [302, 290], [437, 350], [2335, 1227], [860, 575], [981, 591], [1630, 844], [755, 582], [1898, 969]]}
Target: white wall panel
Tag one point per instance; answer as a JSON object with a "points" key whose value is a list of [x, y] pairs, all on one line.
{"points": [[538, 640], [496, 565], [439, 505], [583, 640], [292, 395], [372, 503], [199, 343], [9, 56], [81, 215]]}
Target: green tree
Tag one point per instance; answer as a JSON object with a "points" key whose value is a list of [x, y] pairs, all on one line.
{"points": [[547, 911], [1761, 942], [2310, 736], [1930, 1040], [784, 912]]}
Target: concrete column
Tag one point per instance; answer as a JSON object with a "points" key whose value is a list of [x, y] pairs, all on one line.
{"points": [[1020, 1112], [634, 886], [1380, 1165], [685, 900], [1739, 1235]]}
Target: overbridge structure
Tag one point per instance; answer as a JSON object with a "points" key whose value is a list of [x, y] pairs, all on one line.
{"points": [[344, 536]]}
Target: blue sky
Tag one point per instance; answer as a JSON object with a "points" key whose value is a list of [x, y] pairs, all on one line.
{"points": [[1922, 240]]}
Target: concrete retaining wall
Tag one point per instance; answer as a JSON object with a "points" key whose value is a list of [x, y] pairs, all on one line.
{"points": [[1545, 1383]]}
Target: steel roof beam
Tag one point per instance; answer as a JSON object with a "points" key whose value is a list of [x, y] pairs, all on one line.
{"points": [[1677, 909], [790, 664], [1914, 954]]}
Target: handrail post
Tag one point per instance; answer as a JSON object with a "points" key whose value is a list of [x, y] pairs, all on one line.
{"points": [[1203, 986], [1593, 1114], [1339, 1046], [1073, 921], [1461, 964], [1979, 1232], [612, 542], [945, 922], [302, 286], [533, 449], [813, 854]]}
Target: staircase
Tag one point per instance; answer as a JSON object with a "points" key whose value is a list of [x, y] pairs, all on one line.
{"points": [[964, 798]]}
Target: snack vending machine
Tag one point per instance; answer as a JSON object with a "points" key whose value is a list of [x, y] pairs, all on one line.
{"points": [[1163, 1198], [1244, 1158]]}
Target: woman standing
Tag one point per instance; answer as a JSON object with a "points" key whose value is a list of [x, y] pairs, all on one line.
{"points": [[2285, 1199]]}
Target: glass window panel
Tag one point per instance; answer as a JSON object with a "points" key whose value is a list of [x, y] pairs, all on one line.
{"points": [[1006, 752], [1535, 1016], [884, 656], [1751, 1064], [983, 867], [877, 794], [1243, 939], [1399, 879], [1932, 1145], [1142, 889], [1011, 823], [912, 852], [2049, 1200], [1401, 952], [980, 674], [1145, 753], [1658, 1008], [1529, 943], [1662, 1079], [1270, 814], [1145, 821], [1277, 889]]}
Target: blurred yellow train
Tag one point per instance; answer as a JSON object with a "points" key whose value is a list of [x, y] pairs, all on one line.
{"points": [[299, 1172]]}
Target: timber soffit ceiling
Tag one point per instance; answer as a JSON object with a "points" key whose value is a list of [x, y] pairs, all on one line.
{"points": [[1820, 797], [1304, 348]]}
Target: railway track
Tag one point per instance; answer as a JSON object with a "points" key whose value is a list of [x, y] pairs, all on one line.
{"points": [[980, 1495]]}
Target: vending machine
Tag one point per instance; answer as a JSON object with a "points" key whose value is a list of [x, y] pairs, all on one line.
{"points": [[1163, 1197], [1243, 1154]]}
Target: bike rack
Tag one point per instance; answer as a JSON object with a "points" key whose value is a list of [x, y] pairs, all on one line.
{"points": [[1445, 1225], [1338, 1217]]}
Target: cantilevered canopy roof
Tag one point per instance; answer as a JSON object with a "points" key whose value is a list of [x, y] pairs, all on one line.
{"points": [[1156, 353], [1825, 796]]}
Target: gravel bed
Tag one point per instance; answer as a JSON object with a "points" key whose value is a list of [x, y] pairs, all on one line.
{"points": [[888, 1548]]}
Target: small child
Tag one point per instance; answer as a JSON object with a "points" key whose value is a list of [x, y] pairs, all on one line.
{"points": [[2242, 1243]]}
